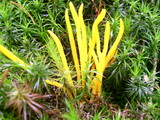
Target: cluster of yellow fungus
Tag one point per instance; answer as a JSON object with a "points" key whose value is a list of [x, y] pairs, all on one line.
{"points": [[89, 51]]}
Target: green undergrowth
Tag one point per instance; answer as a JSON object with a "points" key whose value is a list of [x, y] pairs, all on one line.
{"points": [[130, 85]]}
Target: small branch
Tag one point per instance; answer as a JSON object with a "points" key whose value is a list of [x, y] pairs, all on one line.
{"points": [[3, 77], [155, 70], [24, 10], [99, 7], [155, 67], [97, 10], [94, 6]]}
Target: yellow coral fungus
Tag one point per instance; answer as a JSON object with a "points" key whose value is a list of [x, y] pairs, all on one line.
{"points": [[88, 51], [11, 56]]}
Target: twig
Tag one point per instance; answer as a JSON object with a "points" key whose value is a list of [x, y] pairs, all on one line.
{"points": [[94, 6], [155, 67], [24, 10], [99, 7], [97, 10], [154, 71], [3, 77]]}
